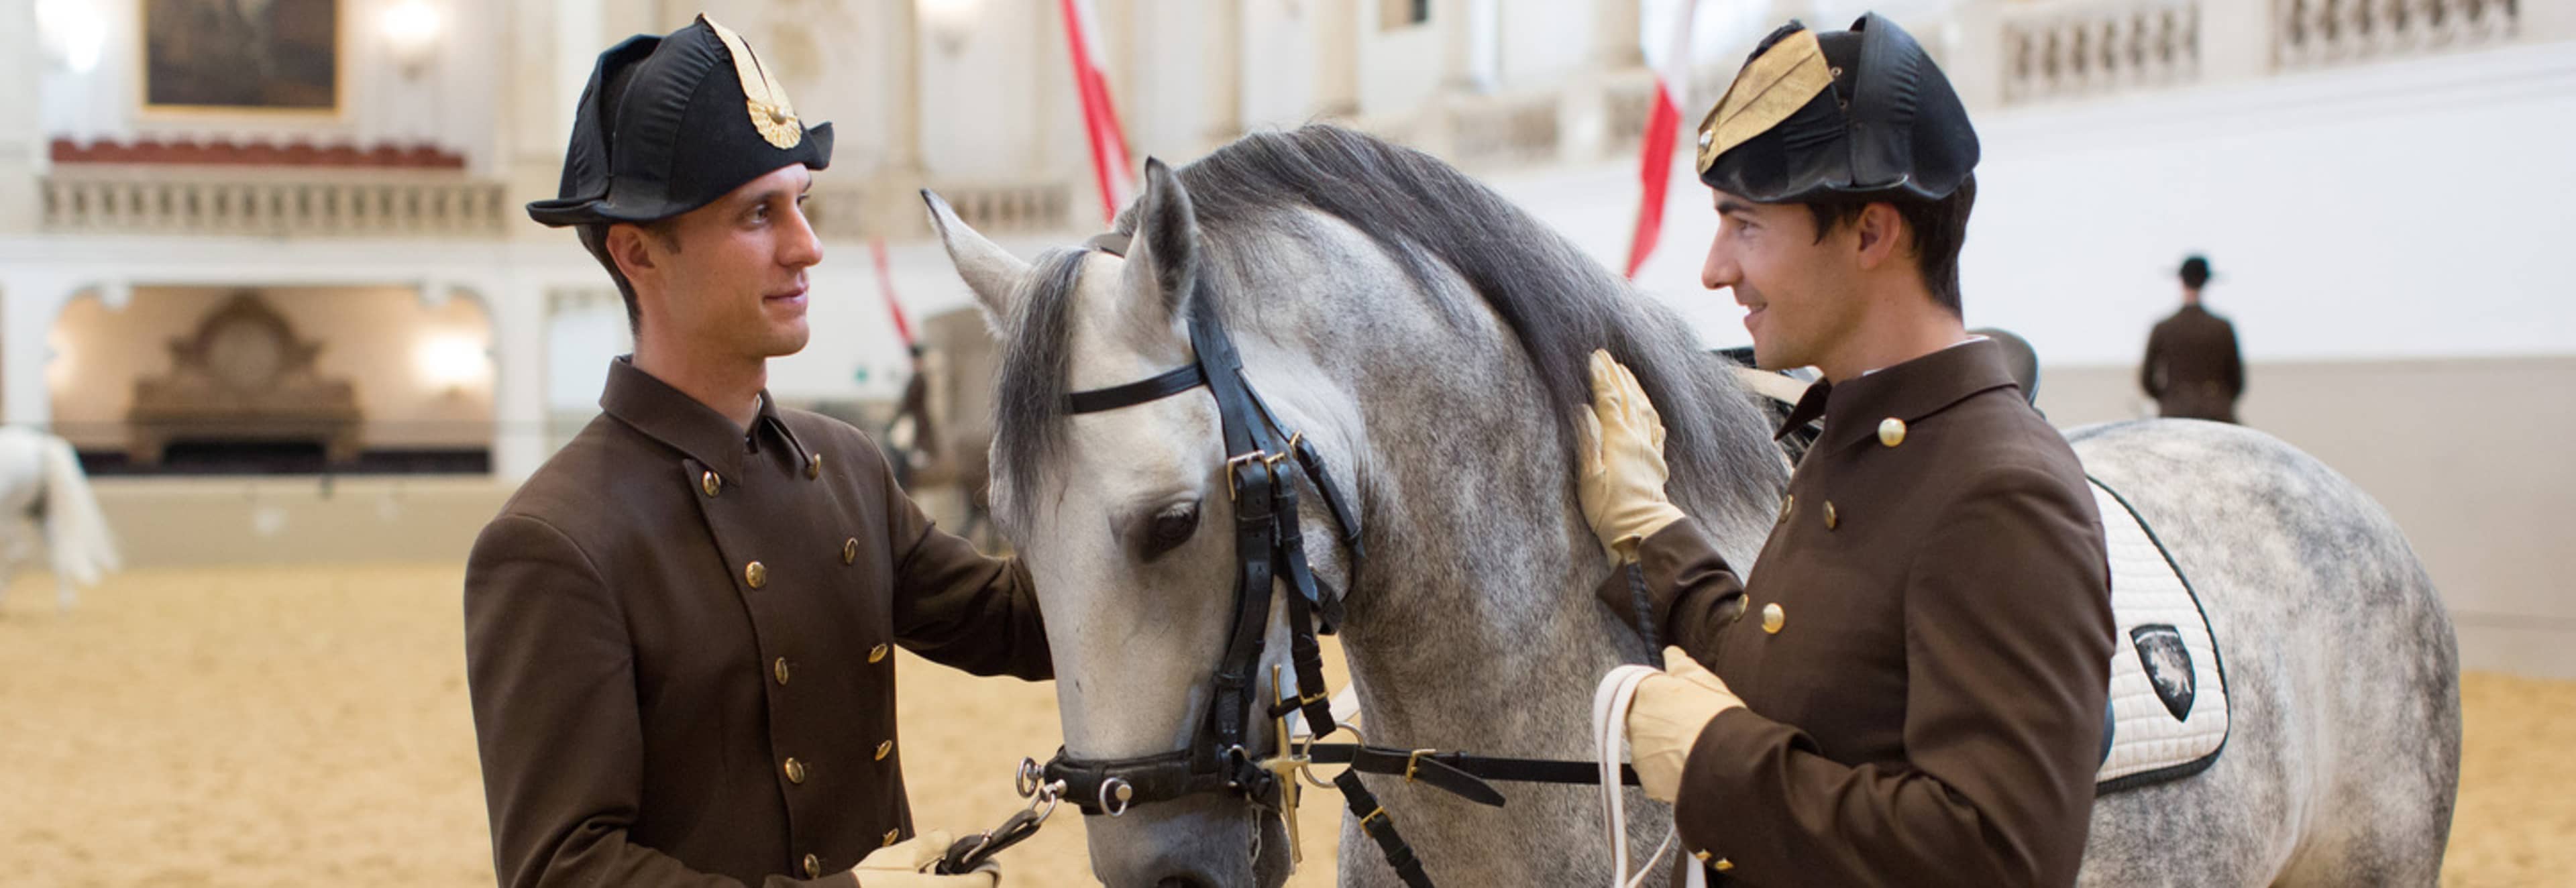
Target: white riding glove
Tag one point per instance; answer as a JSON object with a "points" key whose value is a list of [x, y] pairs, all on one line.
{"points": [[904, 864], [1621, 480], [1666, 718]]}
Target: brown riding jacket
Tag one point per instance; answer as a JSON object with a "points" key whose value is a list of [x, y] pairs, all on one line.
{"points": [[2193, 368], [677, 642], [1923, 648]]}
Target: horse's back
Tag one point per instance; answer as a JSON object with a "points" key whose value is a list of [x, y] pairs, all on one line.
{"points": [[2340, 665]]}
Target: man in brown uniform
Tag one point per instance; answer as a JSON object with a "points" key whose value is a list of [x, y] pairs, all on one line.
{"points": [[2193, 369], [678, 631], [1909, 687]]}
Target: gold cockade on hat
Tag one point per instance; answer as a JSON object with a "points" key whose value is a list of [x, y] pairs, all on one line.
{"points": [[1771, 88], [771, 113]]}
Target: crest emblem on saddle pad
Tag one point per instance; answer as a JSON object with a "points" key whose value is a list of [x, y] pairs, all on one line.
{"points": [[2168, 666], [770, 111]]}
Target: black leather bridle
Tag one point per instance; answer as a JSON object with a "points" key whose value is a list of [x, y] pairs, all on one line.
{"points": [[1269, 549]]}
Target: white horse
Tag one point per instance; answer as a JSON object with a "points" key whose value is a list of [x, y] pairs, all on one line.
{"points": [[45, 501], [1428, 340]]}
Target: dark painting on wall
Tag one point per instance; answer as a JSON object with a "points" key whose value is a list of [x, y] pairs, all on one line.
{"points": [[242, 55]]}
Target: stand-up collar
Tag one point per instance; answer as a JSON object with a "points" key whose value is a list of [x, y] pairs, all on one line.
{"points": [[1909, 391], [670, 416]]}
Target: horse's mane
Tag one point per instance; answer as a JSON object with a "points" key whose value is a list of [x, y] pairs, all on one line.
{"points": [[1433, 221]]}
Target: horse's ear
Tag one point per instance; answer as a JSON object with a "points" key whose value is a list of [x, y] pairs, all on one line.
{"points": [[990, 271], [1162, 257]]}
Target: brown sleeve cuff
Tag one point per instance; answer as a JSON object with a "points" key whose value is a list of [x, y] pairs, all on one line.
{"points": [[1719, 805], [1695, 592]]}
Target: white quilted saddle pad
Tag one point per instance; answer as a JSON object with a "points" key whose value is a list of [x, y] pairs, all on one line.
{"points": [[2168, 689]]}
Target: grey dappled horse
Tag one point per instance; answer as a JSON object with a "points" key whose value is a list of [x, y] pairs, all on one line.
{"points": [[1429, 338]]}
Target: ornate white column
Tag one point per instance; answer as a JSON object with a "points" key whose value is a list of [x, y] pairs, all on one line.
{"points": [[518, 378], [22, 136], [1224, 94], [1473, 34], [29, 303], [1337, 57]]}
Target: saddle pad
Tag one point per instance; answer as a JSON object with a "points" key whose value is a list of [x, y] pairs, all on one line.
{"points": [[2168, 689]]}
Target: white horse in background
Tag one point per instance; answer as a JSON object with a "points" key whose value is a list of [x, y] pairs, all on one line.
{"points": [[45, 501]]}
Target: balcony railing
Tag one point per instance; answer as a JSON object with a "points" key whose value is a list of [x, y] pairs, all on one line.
{"points": [[2078, 50], [2314, 33], [157, 199]]}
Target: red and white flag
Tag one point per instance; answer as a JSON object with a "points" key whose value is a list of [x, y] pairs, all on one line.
{"points": [[1668, 52], [1110, 164], [885, 284]]}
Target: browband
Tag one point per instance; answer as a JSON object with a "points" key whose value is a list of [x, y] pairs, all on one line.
{"points": [[1188, 377]]}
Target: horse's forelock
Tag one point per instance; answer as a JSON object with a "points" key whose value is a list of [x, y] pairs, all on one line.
{"points": [[1028, 395]]}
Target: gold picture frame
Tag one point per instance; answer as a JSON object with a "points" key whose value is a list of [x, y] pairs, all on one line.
{"points": [[278, 58]]}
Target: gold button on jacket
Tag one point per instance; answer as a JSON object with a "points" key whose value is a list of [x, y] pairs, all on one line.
{"points": [[756, 574], [877, 654], [779, 670], [885, 749], [612, 568], [795, 770], [813, 867]]}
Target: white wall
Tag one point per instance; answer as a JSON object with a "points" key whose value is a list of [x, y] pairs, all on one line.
{"points": [[1401, 69], [2405, 210], [1542, 42], [998, 71], [1280, 78]]}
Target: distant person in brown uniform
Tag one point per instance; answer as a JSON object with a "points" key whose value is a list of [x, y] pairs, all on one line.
{"points": [[678, 631], [2193, 368], [1909, 687]]}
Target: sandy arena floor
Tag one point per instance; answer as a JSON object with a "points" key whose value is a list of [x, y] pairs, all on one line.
{"points": [[309, 726]]}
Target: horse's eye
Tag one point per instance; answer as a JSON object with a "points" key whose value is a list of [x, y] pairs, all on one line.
{"points": [[1170, 528]]}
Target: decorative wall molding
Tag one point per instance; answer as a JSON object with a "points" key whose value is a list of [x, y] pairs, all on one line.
{"points": [[225, 152]]}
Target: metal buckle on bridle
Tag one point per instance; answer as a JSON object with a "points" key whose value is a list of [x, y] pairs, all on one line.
{"points": [[1234, 477], [1414, 761]]}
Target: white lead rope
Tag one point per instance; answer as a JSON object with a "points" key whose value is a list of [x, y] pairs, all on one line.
{"points": [[1610, 703]]}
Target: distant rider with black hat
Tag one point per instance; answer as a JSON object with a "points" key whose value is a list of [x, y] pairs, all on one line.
{"points": [[2193, 368], [678, 631], [1909, 687]]}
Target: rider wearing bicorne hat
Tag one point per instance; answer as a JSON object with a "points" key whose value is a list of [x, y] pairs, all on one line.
{"points": [[678, 631], [1909, 687]]}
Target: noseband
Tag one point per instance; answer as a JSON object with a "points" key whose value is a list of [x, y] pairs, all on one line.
{"points": [[1268, 548]]}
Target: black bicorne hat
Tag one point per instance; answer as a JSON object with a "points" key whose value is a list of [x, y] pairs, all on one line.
{"points": [[1862, 113], [671, 123]]}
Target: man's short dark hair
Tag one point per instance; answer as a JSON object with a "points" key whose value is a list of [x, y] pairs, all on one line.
{"points": [[1940, 228], [594, 237]]}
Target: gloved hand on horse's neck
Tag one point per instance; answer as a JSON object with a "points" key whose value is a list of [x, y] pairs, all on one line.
{"points": [[1621, 479]]}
